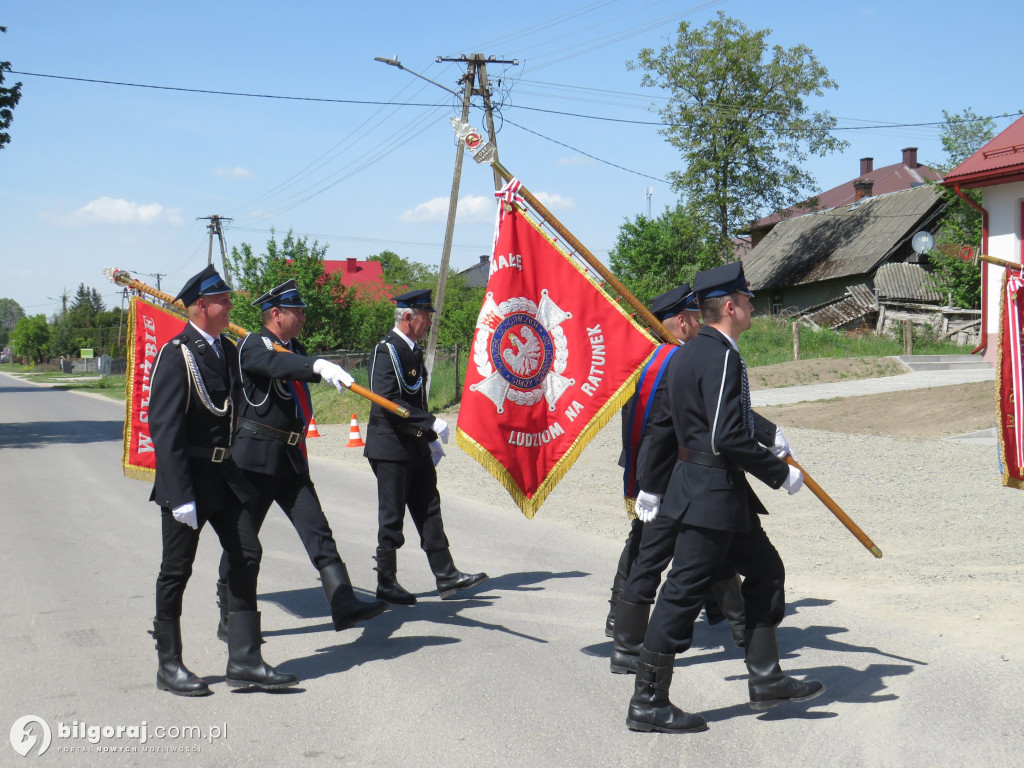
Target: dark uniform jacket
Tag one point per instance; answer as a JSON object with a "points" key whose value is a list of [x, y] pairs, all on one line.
{"points": [[396, 372], [267, 401], [704, 412], [179, 421]]}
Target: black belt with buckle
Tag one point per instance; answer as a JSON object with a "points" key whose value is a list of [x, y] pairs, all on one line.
{"points": [[216, 455], [408, 429], [291, 438], [704, 459]]}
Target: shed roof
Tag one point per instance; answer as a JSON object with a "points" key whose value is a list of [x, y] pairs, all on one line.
{"points": [[905, 282], [842, 242]]}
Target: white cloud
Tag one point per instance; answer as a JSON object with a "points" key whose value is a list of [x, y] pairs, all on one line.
{"points": [[108, 210], [555, 201], [238, 172], [575, 160], [471, 207]]}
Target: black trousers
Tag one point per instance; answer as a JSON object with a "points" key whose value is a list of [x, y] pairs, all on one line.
{"points": [[411, 484], [699, 553], [630, 550], [296, 496], [180, 543], [655, 548]]}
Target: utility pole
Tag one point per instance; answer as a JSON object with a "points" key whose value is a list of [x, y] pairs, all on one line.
{"points": [[215, 230], [650, 194], [474, 84]]}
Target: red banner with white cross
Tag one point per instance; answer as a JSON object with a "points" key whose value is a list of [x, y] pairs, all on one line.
{"points": [[553, 359], [1010, 381]]}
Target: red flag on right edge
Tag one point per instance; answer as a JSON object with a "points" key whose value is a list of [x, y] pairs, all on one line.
{"points": [[1010, 381], [553, 359]]}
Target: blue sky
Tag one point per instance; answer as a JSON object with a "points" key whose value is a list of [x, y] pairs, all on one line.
{"points": [[104, 175]]}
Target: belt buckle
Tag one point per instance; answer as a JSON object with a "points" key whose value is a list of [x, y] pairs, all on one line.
{"points": [[218, 455], [293, 438]]}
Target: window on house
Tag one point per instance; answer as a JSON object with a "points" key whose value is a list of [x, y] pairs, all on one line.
{"points": [[776, 303]]}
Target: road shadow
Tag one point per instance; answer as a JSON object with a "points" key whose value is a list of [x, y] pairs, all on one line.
{"points": [[39, 434], [378, 639]]}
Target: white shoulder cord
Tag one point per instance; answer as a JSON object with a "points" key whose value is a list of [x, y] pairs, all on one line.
{"points": [[197, 382], [241, 378], [718, 409], [399, 374]]}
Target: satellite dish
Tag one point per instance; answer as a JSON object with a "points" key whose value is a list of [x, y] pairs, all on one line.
{"points": [[922, 242]]}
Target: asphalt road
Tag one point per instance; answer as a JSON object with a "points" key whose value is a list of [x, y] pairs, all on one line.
{"points": [[515, 675]]}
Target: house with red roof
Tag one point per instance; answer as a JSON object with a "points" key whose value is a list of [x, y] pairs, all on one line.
{"points": [[906, 174], [366, 276], [998, 169]]}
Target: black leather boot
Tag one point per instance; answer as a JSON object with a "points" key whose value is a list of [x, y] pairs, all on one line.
{"points": [[767, 683], [730, 600], [388, 587], [172, 675], [630, 628], [246, 667], [346, 608], [449, 578], [222, 603], [609, 624], [650, 709]]}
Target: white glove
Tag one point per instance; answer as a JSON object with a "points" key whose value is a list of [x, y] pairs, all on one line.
{"points": [[441, 427], [436, 452], [647, 506], [795, 481], [332, 373], [186, 514], [781, 447]]}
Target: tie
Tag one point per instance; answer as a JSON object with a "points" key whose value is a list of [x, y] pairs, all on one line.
{"points": [[216, 348], [748, 413]]}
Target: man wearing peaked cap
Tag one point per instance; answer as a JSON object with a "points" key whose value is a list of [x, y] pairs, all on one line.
{"points": [[403, 454], [419, 299], [206, 283], [714, 436], [721, 281], [648, 550], [192, 400], [270, 446]]}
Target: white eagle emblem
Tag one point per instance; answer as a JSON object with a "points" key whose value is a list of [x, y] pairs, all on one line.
{"points": [[527, 357], [520, 351]]}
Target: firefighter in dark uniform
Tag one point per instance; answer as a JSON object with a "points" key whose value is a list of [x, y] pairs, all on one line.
{"points": [[639, 570], [715, 444], [269, 446], [191, 407], [403, 454]]}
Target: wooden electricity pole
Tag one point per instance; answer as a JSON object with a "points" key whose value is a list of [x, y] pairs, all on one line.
{"points": [[215, 230], [474, 84]]}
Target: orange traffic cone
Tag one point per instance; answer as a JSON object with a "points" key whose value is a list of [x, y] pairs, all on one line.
{"points": [[312, 431], [354, 439]]}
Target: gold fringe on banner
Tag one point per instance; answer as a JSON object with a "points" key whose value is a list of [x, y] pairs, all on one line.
{"points": [[131, 470]]}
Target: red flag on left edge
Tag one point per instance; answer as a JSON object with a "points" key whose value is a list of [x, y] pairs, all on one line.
{"points": [[149, 328], [553, 359]]}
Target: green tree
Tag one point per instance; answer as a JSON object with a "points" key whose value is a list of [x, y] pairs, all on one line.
{"points": [[327, 317], [64, 337], [461, 309], [961, 136], [31, 337], [85, 306], [9, 98], [401, 273], [651, 256], [738, 116], [10, 313]]}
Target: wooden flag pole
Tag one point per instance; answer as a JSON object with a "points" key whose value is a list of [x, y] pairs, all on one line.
{"points": [[125, 280]]}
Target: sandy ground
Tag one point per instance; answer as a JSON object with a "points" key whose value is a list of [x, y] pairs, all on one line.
{"points": [[952, 537]]}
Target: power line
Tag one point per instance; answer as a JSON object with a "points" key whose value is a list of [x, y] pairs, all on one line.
{"points": [[878, 126], [585, 154]]}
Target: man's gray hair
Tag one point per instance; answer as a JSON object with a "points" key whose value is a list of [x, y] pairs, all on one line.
{"points": [[400, 313]]}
